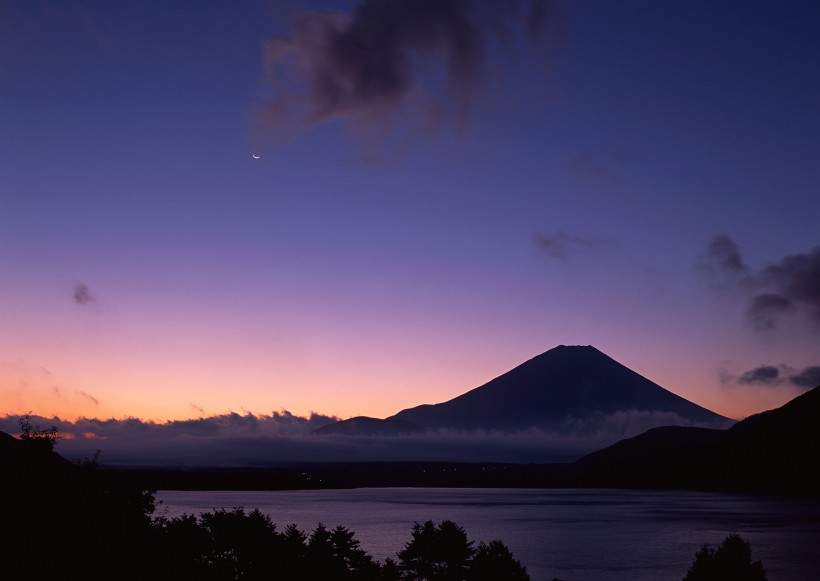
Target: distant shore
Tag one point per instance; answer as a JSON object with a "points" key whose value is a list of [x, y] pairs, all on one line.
{"points": [[312, 476], [344, 475]]}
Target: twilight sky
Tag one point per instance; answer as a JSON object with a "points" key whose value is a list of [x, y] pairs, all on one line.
{"points": [[444, 189]]}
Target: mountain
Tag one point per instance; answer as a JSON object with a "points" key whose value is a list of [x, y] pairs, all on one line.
{"points": [[574, 387], [771, 452], [365, 426], [556, 407]]}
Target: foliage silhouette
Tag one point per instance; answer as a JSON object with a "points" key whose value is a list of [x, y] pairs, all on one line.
{"points": [[67, 518], [493, 561], [80, 522], [436, 553], [45, 438], [731, 561]]}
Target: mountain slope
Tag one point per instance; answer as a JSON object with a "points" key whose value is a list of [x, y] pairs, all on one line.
{"points": [[365, 426], [773, 452], [565, 383]]}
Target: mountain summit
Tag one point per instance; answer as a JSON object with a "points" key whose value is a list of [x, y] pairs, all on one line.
{"points": [[555, 407], [569, 386]]}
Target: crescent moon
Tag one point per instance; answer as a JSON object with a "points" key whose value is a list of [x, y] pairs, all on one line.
{"points": [[253, 155]]}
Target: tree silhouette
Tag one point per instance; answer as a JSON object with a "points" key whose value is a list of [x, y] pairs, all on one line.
{"points": [[356, 563], [495, 561], [75, 521], [390, 571], [294, 553], [181, 547], [242, 544], [320, 563], [732, 561], [436, 553], [45, 438], [336, 555]]}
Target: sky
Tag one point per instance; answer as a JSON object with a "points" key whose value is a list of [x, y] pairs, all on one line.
{"points": [[212, 208]]}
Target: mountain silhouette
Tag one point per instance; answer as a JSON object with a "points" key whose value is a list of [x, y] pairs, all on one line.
{"points": [[366, 426], [772, 452], [568, 385]]}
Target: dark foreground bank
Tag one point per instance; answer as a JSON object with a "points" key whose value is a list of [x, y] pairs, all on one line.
{"points": [[68, 520]]}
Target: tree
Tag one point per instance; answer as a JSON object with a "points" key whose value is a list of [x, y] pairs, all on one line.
{"points": [[495, 561], [241, 544], [357, 564], [731, 561], [320, 563], [390, 571], [436, 553], [294, 553], [45, 438]]}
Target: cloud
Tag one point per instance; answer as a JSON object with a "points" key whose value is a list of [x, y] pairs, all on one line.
{"points": [[561, 245], [263, 440], [765, 374], [82, 295], [774, 376], [796, 280], [766, 310], [723, 256], [789, 287], [808, 378], [87, 396], [380, 60]]}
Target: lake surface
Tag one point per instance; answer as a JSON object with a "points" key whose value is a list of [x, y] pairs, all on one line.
{"points": [[576, 535]]}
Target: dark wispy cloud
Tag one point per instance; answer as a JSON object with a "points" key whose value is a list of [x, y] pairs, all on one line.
{"points": [[381, 60], [723, 257], [795, 281], [562, 246], [87, 396], [776, 375], [808, 378], [765, 375], [764, 311], [787, 288], [82, 295]]}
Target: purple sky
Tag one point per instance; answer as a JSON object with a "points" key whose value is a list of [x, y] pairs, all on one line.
{"points": [[435, 201]]}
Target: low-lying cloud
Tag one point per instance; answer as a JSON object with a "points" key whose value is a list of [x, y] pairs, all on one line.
{"points": [[265, 440]]}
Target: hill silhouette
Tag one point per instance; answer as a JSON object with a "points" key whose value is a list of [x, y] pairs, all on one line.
{"points": [[28, 457], [64, 517], [363, 425], [771, 452], [564, 383]]}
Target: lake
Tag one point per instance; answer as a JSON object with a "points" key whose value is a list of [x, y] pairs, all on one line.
{"points": [[573, 534]]}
